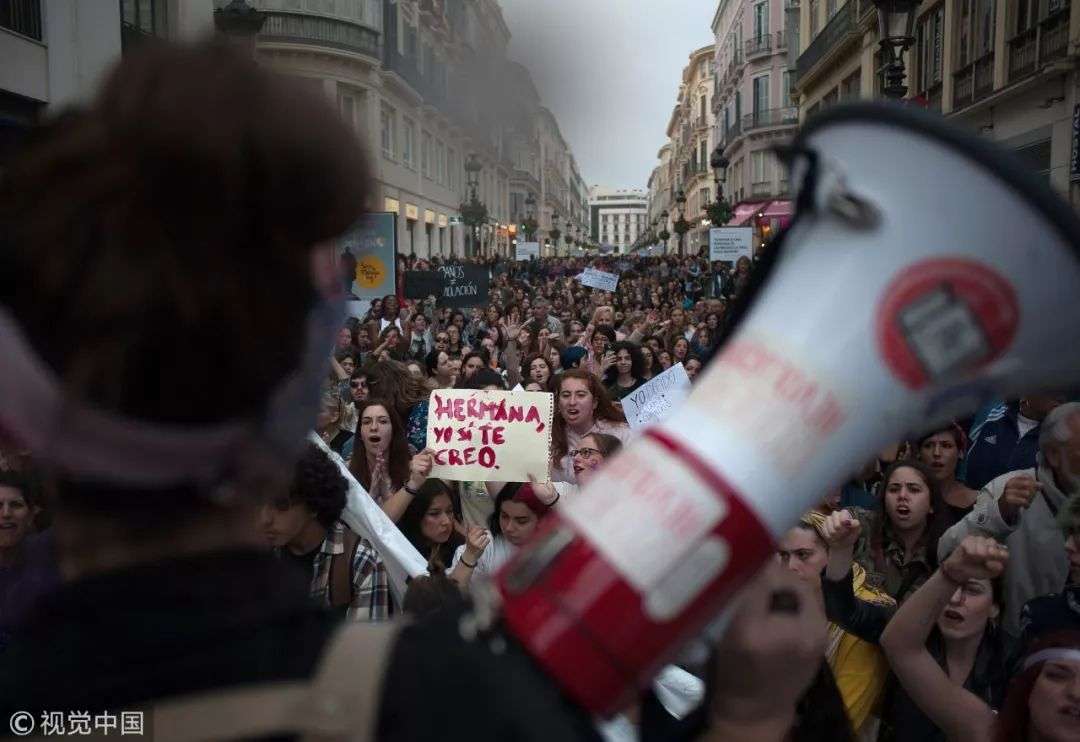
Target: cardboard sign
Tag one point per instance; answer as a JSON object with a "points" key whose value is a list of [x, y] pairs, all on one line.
{"points": [[481, 436], [367, 258], [731, 243], [655, 400], [526, 250], [599, 279], [422, 284], [464, 285]]}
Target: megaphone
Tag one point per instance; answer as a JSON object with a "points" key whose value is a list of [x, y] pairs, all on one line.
{"points": [[924, 273]]}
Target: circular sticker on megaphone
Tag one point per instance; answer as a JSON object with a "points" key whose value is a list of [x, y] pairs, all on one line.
{"points": [[945, 316]]}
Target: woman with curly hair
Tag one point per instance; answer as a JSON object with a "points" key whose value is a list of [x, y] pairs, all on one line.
{"points": [[407, 394], [584, 407]]}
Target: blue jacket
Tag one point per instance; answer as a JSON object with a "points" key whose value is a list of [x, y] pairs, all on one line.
{"points": [[996, 447]]}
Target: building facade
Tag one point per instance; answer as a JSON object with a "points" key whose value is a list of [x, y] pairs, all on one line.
{"points": [[618, 216], [1006, 70], [55, 53], [754, 109]]}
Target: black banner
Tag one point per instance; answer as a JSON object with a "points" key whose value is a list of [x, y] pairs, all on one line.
{"points": [[464, 285], [422, 284]]}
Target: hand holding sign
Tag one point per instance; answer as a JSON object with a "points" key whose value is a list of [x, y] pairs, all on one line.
{"points": [[420, 468]]}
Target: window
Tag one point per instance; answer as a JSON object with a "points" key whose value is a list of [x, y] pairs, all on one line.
{"points": [[851, 85], [141, 16], [408, 142], [930, 43], [702, 118], [425, 153], [761, 21], [348, 109], [815, 6], [411, 41], [704, 155], [786, 92], [975, 30], [387, 116], [761, 94], [440, 162], [759, 167]]}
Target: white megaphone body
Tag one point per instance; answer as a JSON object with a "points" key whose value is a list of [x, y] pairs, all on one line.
{"points": [[924, 273]]}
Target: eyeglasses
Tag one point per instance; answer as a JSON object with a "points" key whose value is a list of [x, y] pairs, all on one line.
{"points": [[586, 453]]}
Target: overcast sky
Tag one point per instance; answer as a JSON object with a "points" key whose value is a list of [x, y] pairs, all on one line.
{"points": [[610, 71]]}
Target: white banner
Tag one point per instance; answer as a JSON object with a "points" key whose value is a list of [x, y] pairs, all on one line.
{"points": [[731, 243], [367, 520], [655, 400], [526, 250], [599, 279]]}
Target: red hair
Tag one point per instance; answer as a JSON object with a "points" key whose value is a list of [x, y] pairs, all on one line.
{"points": [[1015, 716], [605, 408]]}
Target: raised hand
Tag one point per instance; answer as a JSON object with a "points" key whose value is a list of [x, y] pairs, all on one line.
{"points": [[476, 541], [842, 530], [420, 467], [1019, 493], [976, 558]]}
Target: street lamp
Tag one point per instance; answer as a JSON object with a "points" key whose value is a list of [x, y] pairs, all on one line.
{"points": [[566, 236], [554, 233], [664, 235], [681, 225], [896, 19], [529, 224], [474, 212], [719, 212]]}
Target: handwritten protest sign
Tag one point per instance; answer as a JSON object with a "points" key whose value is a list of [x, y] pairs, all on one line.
{"points": [[599, 279], [481, 436], [526, 250], [730, 243], [464, 285], [655, 400]]}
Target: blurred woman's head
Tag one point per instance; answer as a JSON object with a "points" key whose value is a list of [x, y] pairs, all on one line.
{"points": [[428, 522], [517, 512], [439, 367], [1043, 699], [382, 437], [593, 450], [942, 451], [538, 369], [679, 349], [392, 381], [331, 412]]}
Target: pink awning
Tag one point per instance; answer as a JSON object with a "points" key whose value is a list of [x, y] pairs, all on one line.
{"points": [[777, 209], [745, 212]]}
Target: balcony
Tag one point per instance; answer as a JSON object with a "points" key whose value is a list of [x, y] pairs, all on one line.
{"points": [[733, 132], [296, 28], [973, 82], [788, 116], [1043, 43], [840, 31], [22, 16], [758, 46], [734, 66]]}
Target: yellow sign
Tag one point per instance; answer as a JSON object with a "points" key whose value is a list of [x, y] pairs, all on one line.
{"points": [[392, 204], [442, 220], [411, 211], [370, 272], [429, 216]]}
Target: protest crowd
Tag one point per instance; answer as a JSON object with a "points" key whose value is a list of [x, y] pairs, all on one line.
{"points": [[947, 569]]}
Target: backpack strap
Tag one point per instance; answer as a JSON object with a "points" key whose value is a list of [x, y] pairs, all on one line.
{"points": [[341, 702], [341, 570]]}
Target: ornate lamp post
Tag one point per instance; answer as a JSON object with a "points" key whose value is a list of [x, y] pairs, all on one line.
{"points": [[529, 225], [554, 233], [473, 212], [681, 226], [719, 211], [896, 19], [664, 235], [566, 236]]}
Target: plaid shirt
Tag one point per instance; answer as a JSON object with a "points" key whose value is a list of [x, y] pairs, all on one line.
{"points": [[371, 599]]}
